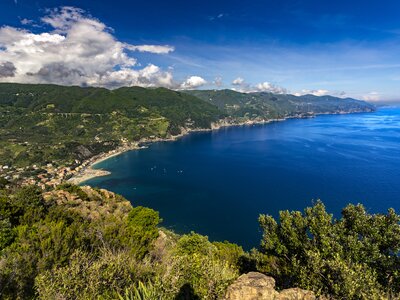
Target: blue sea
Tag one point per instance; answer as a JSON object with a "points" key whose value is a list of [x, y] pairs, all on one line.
{"points": [[217, 183]]}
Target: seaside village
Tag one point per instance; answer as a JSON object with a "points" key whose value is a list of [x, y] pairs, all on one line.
{"points": [[42, 176], [50, 175]]}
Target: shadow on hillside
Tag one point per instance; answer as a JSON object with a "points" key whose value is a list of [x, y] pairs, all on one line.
{"points": [[187, 293]]}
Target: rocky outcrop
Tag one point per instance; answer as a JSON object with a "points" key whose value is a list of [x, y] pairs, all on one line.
{"points": [[257, 286], [89, 202]]}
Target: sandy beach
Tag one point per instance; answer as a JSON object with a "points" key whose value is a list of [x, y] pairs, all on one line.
{"points": [[88, 172]]}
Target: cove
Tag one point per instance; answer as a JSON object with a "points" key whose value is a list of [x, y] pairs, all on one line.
{"points": [[217, 183]]}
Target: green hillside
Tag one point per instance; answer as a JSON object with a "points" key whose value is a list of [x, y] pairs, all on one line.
{"points": [[269, 106], [34, 117]]}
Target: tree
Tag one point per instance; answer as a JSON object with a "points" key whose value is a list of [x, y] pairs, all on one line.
{"points": [[355, 257], [142, 225]]}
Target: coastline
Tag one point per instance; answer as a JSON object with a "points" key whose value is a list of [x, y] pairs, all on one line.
{"points": [[88, 172]]}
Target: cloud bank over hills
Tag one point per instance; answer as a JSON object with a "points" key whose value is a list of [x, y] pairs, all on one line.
{"points": [[78, 49], [68, 46]]}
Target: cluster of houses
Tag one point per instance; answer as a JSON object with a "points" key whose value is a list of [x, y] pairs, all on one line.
{"points": [[43, 176]]}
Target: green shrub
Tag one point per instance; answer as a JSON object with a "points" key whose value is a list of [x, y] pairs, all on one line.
{"points": [[197, 275], [229, 252], [193, 243], [28, 205], [142, 225], [196, 270], [355, 257], [74, 189], [142, 291], [7, 234], [92, 277]]}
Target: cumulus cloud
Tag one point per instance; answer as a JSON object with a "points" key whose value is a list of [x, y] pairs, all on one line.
{"points": [[269, 87], [241, 85], [238, 81], [372, 96], [7, 69], [63, 18], [193, 82], [77, 50], [315, 93], [150, 76]]}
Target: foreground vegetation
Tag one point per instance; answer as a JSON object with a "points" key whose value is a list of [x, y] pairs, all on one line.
{"points": [[83, 243], [79, 242]]}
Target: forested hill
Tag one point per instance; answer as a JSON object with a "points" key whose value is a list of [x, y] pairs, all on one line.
{"points": [[137, 102], [34, 117], [268, 105], [40, 124]]}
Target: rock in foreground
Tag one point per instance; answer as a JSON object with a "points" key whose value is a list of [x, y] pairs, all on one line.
{"points": [[257, 286]]}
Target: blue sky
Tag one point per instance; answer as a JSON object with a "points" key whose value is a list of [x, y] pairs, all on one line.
{"points": [[344, 48]]}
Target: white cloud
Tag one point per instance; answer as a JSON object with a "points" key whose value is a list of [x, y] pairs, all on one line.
{"points": [[193, 82], [150, 76], [372, 96], [218, 81], [240, 85], [62, 19], [79, 50], [315, 92], [26, 22], [269, 87], [158, 49], [238, 81]]}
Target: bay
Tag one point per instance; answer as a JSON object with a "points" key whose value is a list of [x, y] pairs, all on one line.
{"points": [[217, 183]]}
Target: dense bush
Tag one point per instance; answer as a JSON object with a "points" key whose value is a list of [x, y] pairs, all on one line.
{"points": [[194, 269], [91, 276], [86, 243], [355, 257], [52, 247]]}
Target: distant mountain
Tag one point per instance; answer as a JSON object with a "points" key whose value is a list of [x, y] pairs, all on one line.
{"points": [[48, 123], [269, 106]]}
